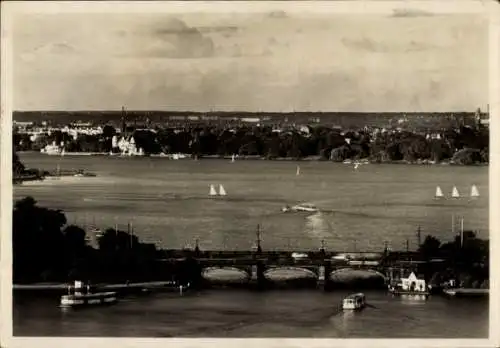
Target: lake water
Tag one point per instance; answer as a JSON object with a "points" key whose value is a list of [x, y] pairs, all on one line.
{"points": [[289, 313], [167, 201]]}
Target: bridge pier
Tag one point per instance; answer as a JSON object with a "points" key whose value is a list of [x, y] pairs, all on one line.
{"points": [[258, 279], [390, 275], [324, 272]]}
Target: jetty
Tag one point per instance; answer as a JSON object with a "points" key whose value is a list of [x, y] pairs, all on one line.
{"points": [[121, 287]]}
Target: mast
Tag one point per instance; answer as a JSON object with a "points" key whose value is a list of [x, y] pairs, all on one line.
{"points": [[131, 235], [419, 237], [461, 232], [453, 224]]}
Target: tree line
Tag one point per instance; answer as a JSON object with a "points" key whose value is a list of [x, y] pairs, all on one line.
{"points": [[463, 145], [46, 248], [467, 259]]}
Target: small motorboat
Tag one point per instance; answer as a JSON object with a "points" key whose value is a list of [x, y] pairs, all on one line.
{"points": [[305, 207], [354, 301], [80, 296]]}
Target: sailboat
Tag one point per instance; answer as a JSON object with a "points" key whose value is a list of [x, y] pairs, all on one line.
{"points": [[222, 191], [298, 171], [474, 192], [212, 191], [232, 159], [455, 193], [439, 193]]}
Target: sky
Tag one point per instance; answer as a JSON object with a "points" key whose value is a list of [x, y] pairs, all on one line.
{"points": [[269, 61]]}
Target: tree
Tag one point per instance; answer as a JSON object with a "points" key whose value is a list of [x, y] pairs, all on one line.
{"points": [[37, 240], [108, 131], [430, 247], [17, 166]]}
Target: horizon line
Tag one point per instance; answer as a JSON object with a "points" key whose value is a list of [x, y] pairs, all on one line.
{"points": [[253, 112]]}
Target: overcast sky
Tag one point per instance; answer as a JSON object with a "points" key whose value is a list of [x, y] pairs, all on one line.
{"points": [[266, 61]]}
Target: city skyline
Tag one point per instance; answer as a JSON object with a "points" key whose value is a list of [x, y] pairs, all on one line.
{"points": [[273, 61]]}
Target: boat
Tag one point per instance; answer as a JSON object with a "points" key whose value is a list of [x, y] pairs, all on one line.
{"points": [[305, 207], [80, 296], [232, 158], [212, 191], [439, 193], [297, 173], [354, 301], [51, 149], [410, 286], [455, 193], [297, 256], [81, 173], [222, 191], [474, 192]]}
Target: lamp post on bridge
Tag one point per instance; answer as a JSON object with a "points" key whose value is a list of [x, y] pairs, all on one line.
{"points": [[258, 240], [322, 249], [197, 247]]}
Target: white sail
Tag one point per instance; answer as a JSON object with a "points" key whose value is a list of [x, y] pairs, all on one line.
{"points": [[474, 192], [455, 193], [222, 192], [439, 192], [212, 191], [298, 171]]}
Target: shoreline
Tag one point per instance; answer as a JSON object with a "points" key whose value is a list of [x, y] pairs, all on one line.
{"points": [[259, 158]]}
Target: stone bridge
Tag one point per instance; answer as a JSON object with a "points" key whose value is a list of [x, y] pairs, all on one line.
{"points": [[264, 267], [260, 272]]}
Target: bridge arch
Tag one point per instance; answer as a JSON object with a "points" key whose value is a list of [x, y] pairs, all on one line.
{"points": [[225, 273], [352, 269], [303, 272]]}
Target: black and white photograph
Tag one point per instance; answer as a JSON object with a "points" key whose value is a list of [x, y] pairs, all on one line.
{"points": [[248, 169]]}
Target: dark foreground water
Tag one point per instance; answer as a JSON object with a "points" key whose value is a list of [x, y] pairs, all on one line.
{"points": [[240, 313]]}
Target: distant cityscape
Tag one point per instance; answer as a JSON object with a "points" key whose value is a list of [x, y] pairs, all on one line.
{"points": [[335, 136]]}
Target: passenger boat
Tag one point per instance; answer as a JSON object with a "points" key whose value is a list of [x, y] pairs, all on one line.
{"points": [[410, 286], [78, 296], [354, 301], [305, 207]]}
